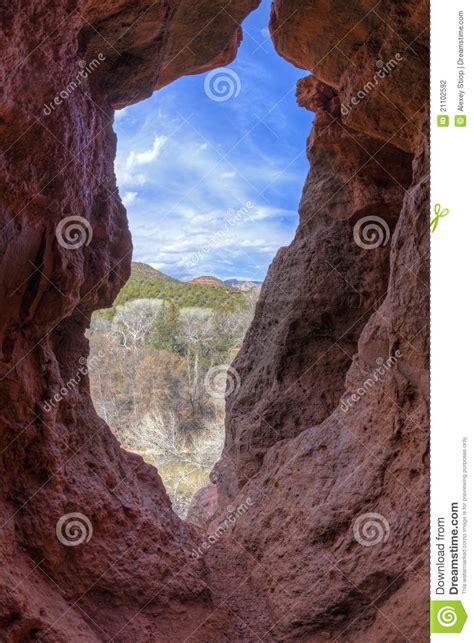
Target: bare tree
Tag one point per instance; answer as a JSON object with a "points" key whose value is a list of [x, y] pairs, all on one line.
{"points": [[232, 326], [153, 394], [158, 433], [133, 321], [196, 334], [207, 445]]}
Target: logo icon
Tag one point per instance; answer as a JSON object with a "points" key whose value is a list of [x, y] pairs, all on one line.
{"points": [[371, 232], [443, 121], [371, 529], [73, 529], [439, 214], [221, 381], [460, 120], [447, 617], [221, 84], [73, 232]]}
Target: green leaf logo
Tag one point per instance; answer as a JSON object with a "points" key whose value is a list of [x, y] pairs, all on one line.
{"points": [[447, 617]]}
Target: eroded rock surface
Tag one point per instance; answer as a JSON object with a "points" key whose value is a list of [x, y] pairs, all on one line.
{"points": [[203, 506], [329, 430], [65, 66], [299, 467]]}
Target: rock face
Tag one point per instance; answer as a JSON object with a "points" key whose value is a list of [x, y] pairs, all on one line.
{"points": [[203, 506], [305, 464], [65, 66], [208, 281], [328, 433]]}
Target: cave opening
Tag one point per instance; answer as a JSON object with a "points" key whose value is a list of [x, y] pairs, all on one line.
{"points": [[210, 169], [327, 458]]}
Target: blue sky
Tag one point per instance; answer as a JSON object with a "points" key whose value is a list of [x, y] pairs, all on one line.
{"points": [[211, 168]]}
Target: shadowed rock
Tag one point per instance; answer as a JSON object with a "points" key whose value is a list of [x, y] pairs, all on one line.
{"points": [[306, 468]]}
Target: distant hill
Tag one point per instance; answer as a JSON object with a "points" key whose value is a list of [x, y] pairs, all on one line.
{"points": [[147, 283], [206, 280], [241, 284], [139, 268]]}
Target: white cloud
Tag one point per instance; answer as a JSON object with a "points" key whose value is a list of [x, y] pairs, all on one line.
{"points": [[185, 246], [121, 113], [129, 198], [147, 156], [182, 186], [125, 165]]}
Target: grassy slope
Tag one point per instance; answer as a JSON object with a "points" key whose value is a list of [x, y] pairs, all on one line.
{"points": [[146, 282]]}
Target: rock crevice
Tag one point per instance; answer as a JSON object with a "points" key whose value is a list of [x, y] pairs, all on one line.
{"points": [[306, 462]]}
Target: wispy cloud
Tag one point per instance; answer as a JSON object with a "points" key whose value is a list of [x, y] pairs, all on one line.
{"points": [[129, 198], [147, 156]]}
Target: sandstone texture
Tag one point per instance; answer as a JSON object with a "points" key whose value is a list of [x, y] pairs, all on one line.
{"points": [[316, 463], [203, 506], [302, 463], [58, 458]]}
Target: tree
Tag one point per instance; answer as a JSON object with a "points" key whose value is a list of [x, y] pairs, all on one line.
{"points": [[133, 321], [163, 331], [149, 383]]}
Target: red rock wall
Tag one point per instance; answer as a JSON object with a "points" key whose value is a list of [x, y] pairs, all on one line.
{"points": [[290, 567], [58, 149], [318, 464]]}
